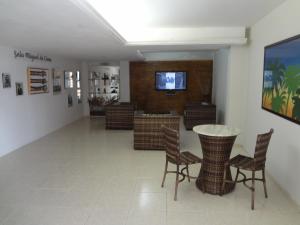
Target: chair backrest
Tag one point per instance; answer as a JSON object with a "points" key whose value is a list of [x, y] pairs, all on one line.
{"points": [[261, 148], [171, 141]]}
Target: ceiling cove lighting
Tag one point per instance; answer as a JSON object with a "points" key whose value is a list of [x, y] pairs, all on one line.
{"points": [[119, 14], [130, 20]]}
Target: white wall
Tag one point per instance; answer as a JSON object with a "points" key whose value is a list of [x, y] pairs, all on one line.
{"points": [[283, 161], [220, 79], [25, 118], [124, 82], [237, 86], [230, 84]]}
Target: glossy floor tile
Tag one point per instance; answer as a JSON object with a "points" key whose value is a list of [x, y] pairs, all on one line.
{"points": [[86, 175]]}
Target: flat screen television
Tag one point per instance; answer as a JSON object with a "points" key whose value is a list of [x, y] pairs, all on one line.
{"points": [[170, 80]]}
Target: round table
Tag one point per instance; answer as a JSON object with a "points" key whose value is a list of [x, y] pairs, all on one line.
{"points": [[216, 142]]}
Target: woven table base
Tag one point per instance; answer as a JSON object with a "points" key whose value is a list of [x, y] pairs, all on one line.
{"points": [[216, 151]]}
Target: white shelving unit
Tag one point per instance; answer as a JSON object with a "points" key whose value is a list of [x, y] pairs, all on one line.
{"points": [[104, 82], [104, 88]]}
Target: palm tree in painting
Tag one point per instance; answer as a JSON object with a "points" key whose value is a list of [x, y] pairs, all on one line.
{"points": [[277, 69], [296, 102], [291, 82], [279, 100], [267, 92]]}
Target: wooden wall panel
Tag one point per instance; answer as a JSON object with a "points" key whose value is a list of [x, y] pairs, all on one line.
{"points": [[142, 85]]}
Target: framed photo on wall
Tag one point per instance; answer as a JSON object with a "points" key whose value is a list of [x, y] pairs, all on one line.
{"points": [[19, 88], [69, 79], [281, 82], [38, 80], [6, 81], [70, 100], [57, 81]]}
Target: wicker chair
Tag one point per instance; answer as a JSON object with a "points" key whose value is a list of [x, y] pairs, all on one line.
{"points": [[119, 116], [173, 155], [251, 164]]}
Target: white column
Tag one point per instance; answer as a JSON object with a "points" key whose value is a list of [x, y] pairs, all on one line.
{"points": [[85, 87], [124, 82]]}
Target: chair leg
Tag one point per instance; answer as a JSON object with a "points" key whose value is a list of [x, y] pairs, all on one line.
{"points": [[188, 173], [237, 175], [176, 183], [253, 190], [264, 182], [224, 180], [165, 173]]}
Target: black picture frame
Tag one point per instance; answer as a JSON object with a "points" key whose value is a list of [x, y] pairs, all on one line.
{"points": [[276, 86]]}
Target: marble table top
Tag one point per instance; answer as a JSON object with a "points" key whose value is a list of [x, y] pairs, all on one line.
{"points": [[216, 130]]}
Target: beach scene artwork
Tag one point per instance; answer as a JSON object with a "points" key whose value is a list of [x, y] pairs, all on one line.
{"points": [[281, 84]]}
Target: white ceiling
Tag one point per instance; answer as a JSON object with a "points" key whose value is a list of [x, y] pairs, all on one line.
{"points": [[63, 27], [197, 13]]}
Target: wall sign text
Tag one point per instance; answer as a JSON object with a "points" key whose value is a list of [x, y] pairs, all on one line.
{"points": [[31, 56]]}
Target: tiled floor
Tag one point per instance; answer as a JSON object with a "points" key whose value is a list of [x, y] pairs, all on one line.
{"points": [[85, 175]]}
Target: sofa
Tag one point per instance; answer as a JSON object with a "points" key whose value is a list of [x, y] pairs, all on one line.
{"points": [[198, 113], [119, 116], [147, 134]]}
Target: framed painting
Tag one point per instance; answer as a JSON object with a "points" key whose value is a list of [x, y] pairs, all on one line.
{"points": [[19, 88], [38, 80], [281, 83], [57, 81], [6, 81], [70, 100]]}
